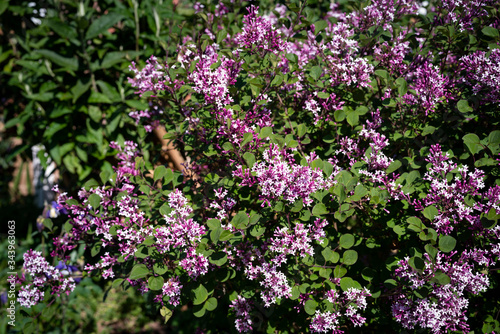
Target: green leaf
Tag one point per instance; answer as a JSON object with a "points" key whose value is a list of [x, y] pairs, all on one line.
{"points": [[352, 118], [447, 243], [368, 274], [254, 218], [139, 271], [316, 72], [382, 73], [95, 201], [225, 235], [390, 283], [199, 294], [115, 57], [319, 209], [102, 24], [350, 257], [494, 137], [257, 231], [249, 159], [394, 166], [79, 89], [4, 4], [199, 310], [117, 282], [221, 35], [219, 258], [463, 106], [416, 263], [96, 97], [155, 283], [211, 304], [430, 212], [310, 306], [441, 278], [330, 255], [490, 32], [278, 79], [247, 137], [265, 132], [339, 115], [159, 173], [160, 268], [473, 143], [431, 250], [415, 224], [346, 283], [292, 58], [301, 130], [346, 241], [166, 313], [428, 130], [47, 222], [65, 62], [402, 86], [339, 271], [240, 220], [319, 26]]}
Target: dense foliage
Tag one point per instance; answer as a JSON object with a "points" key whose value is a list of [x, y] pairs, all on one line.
{"points": [[342, 174]]}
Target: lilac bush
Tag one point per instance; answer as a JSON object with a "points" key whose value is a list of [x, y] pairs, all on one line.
{"points": [[341, 173]]}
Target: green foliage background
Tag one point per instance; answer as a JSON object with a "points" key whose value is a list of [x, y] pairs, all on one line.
{"points": [[64, 84]]}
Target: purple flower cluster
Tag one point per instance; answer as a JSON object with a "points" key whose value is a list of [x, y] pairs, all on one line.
{"points": [[443, 308], [152, 78], [279, 176], [214, 83], [242, 309], [382, 13], [430, 86], [482, 72], [350, 303], [43, 276], [463, 12], [448, 195], [259, 34]]}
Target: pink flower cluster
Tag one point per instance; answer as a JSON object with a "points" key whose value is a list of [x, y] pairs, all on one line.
{"points": [[214, 83], [279, 176], [350, 303], [259, 34], [43, 275], [443, 308], [430, 86], [242, 309], [482, 72]]}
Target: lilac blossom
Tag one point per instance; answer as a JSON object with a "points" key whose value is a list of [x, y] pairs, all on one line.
{"points": [[242, 309], [382, 13], [324, 322], [222, 204], [482, 72], [447, 312], [430, 86], [463, 12], [214, 83], [275, 285], [449, 196], [152, 78], [279, 176], [171, 289], [392, 56], [259, 34], [43, 276]]}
